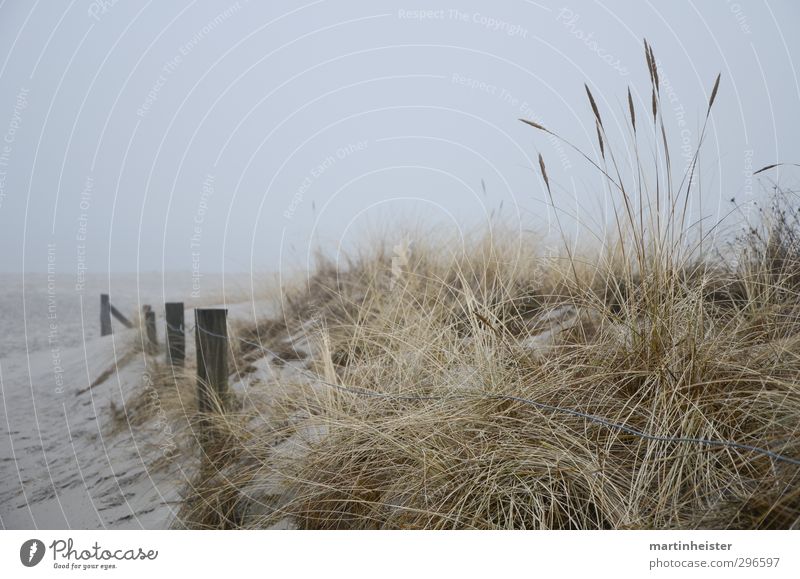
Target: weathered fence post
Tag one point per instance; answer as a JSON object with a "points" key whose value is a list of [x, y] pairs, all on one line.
{"points": [[211, 343], [105, 315], [176, 337], [150, 328]]}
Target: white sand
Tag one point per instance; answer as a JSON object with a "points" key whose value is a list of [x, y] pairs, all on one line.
{"points": [[60, 466]]}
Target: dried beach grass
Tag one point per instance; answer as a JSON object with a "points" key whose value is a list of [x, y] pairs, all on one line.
{"points": [[648, 385]]}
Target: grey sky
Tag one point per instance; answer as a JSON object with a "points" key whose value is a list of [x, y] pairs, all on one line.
{"points": [[227, 135]]}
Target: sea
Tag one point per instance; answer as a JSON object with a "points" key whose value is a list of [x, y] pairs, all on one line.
{"points": [[41, 311]]}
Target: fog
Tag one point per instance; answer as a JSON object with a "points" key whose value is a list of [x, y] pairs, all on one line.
{"points": [[230, 137]]}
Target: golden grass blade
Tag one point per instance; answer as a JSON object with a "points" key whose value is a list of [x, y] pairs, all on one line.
{"points": [[544, 173], [647, 58], [600, 140], [651, 64], [655, 105], [630, 108], [768, 167], [593, 104], [714, 92], [485, 321], [654, 66], [535, 125]]}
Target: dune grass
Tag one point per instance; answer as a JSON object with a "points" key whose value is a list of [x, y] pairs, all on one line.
{"points": [[650, 383]]}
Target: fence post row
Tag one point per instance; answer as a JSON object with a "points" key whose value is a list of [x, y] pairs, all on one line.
{"points": [[211, 343], [175, 334]]}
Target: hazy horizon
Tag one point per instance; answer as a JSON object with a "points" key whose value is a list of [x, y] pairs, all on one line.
{"points": [[232, 136]]}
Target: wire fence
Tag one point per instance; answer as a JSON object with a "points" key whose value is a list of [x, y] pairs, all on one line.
{"points": [[477, 395]]}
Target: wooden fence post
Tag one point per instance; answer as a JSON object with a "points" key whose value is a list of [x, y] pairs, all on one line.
{"points": [[105, 315], [211, 343], [175, 334], [150, 328]]}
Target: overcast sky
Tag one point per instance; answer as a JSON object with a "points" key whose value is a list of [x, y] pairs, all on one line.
{"points": [[225, 136]]}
